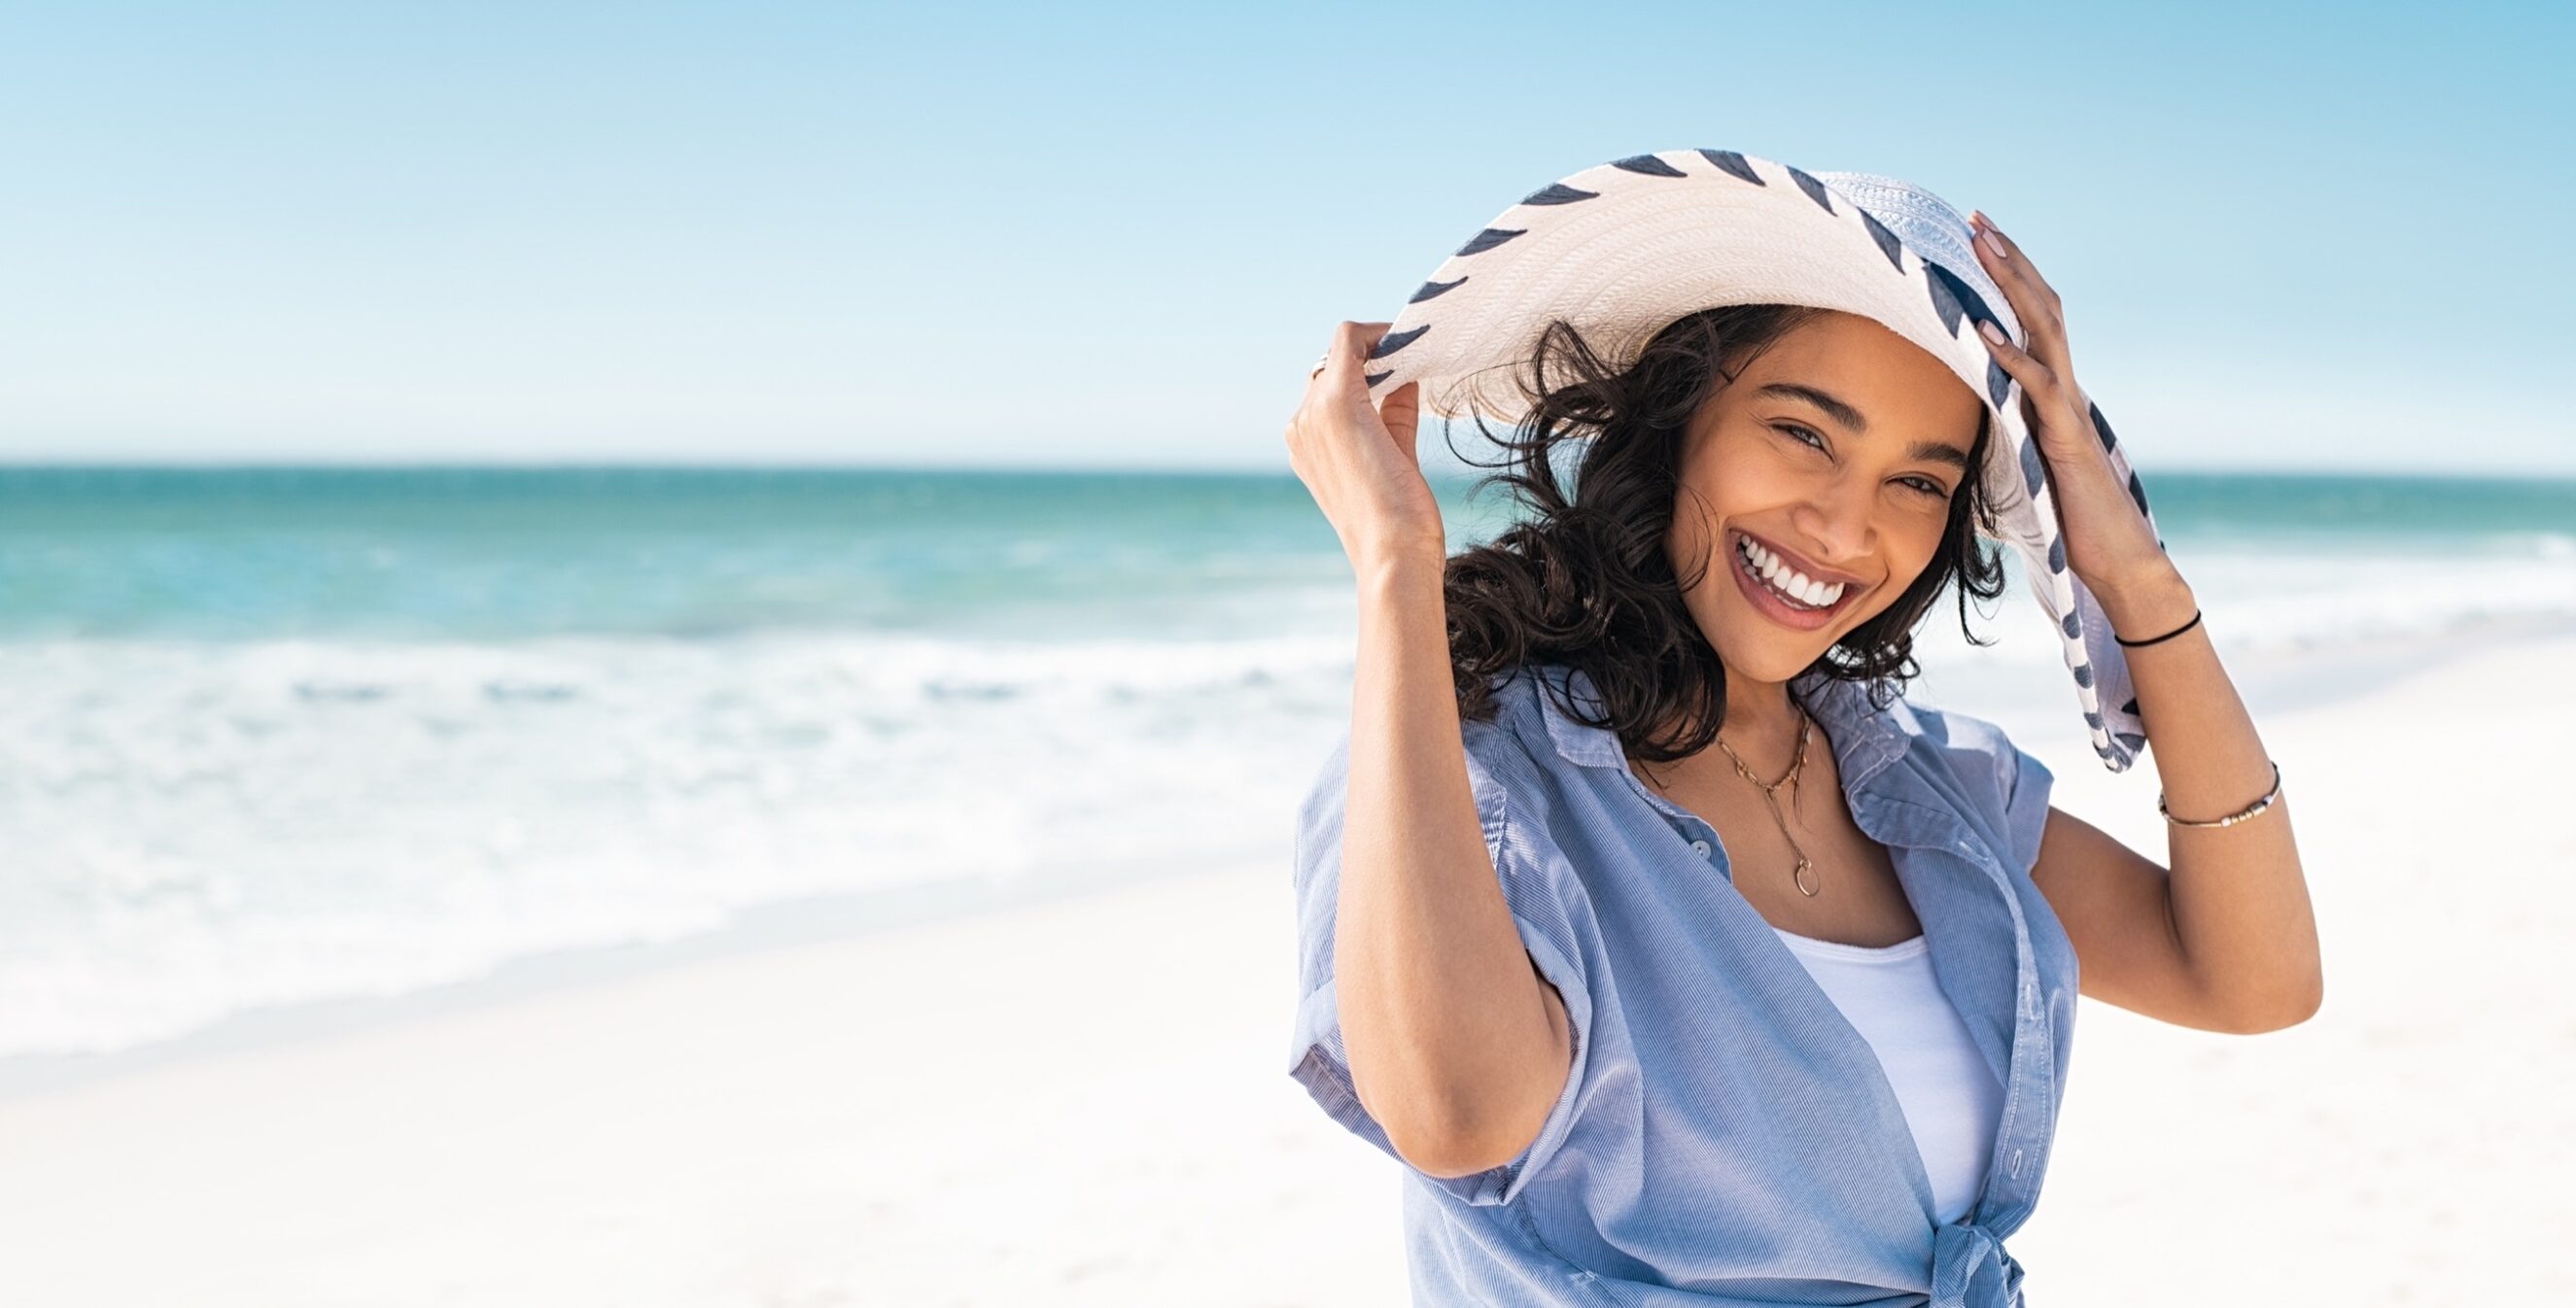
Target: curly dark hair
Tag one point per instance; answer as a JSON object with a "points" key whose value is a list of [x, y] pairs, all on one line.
{"points": [[1583, 577]]}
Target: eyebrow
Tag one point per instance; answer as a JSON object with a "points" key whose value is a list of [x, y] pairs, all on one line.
{"points": [[1843, 413]]}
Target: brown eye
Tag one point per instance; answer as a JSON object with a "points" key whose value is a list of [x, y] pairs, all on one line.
{"points": [[1808, 437], [1818, 442]]}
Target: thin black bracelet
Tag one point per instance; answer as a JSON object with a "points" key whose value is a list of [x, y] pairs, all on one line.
{"points": [[2195, 621]]}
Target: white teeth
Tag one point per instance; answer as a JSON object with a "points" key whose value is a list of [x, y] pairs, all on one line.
{"points": [[1795, 584]]}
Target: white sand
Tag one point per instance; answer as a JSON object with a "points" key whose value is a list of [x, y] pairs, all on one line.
{"points": [[1086, 1101]]}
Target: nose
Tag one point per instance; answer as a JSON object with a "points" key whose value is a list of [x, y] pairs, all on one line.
{"points": [[1836, 524]]}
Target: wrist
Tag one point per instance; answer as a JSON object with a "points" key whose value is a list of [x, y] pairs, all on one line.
{"points": [[1401, 568], [2148, 604]]}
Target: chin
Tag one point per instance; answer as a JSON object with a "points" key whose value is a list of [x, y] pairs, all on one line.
{"points": [[1768, 656], [1772, 665]]}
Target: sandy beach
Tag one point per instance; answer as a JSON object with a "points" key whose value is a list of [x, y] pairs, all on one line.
{"points": [[1085, 1101]]}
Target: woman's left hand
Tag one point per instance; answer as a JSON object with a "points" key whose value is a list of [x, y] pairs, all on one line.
{"points": [[2109, 544]]}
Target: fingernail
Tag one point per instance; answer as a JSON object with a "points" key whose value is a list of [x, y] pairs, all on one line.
{"points": [[1996, 244], [1993, 333]]}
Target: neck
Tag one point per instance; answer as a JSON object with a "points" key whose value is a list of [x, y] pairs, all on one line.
{"points": [[1762, 724], [1760, 727]]}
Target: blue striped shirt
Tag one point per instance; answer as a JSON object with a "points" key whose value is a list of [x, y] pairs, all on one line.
{"points": [[1725, 1138]]}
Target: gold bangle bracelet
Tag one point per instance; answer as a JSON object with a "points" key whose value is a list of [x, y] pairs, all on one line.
{"points": [[2233, 818]]}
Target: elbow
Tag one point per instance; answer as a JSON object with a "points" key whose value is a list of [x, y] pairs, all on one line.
{"points": [[2279, 1012], [1465, 1153], [1439, 1147], [1464, 1141], [1447, 1159], [1431, 1134]]}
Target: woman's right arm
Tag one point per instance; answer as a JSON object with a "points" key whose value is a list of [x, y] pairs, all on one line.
{"points": [[1456, 1044]]}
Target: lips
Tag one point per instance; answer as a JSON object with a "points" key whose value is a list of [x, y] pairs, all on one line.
{"points": [[1772, 604], [1800, 562]]}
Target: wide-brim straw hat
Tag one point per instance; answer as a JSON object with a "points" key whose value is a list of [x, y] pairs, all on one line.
{"points": [[1622, 249]]}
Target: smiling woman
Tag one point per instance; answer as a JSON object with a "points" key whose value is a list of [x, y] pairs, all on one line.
{"points": [[1714, 1045]]}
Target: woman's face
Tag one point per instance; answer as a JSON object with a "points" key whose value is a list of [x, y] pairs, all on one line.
{"points": [[1835, 454]]}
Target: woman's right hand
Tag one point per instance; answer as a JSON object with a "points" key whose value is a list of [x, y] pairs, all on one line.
{"points": [[1357, 456]]}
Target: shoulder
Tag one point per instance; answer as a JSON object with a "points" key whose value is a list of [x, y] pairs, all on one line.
{"points": [[1510, 749], [1508, 758], [1975, 766], [1970, 745], [1901, 728], [1520, 814], [1954, 735], [1969, 761]]}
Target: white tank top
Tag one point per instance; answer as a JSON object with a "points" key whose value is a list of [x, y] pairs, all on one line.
{"points": [[1951, 1099]]}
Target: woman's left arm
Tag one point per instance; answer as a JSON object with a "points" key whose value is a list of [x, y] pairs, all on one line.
{"points": [[2236, 897]]}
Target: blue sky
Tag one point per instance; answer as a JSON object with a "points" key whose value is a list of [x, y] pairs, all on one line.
{"points": [[1116, 235]]}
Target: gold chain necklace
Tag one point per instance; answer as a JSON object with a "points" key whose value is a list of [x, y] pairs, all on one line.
{"points": [[1770, 795]]}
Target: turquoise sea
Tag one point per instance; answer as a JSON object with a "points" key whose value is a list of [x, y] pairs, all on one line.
{"points": [[276, 735]]}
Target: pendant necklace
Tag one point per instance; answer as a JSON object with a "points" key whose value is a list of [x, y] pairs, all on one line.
{"points": [[1802, 872]]}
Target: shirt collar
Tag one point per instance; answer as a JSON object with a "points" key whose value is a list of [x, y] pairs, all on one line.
{"points": [[1865, 738]]}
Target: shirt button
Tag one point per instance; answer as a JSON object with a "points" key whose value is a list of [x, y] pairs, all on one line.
{"points": [[1700, 847]]}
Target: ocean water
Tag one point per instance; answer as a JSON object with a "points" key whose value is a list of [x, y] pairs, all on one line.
{"points": [[277, 735]]}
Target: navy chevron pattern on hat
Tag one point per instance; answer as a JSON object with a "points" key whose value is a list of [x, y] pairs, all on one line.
{"points": [[1622, 249]]}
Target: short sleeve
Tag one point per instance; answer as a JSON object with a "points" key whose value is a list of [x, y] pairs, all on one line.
{"points": [[1547, 905], [2026, 783], [2003, 788]]}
